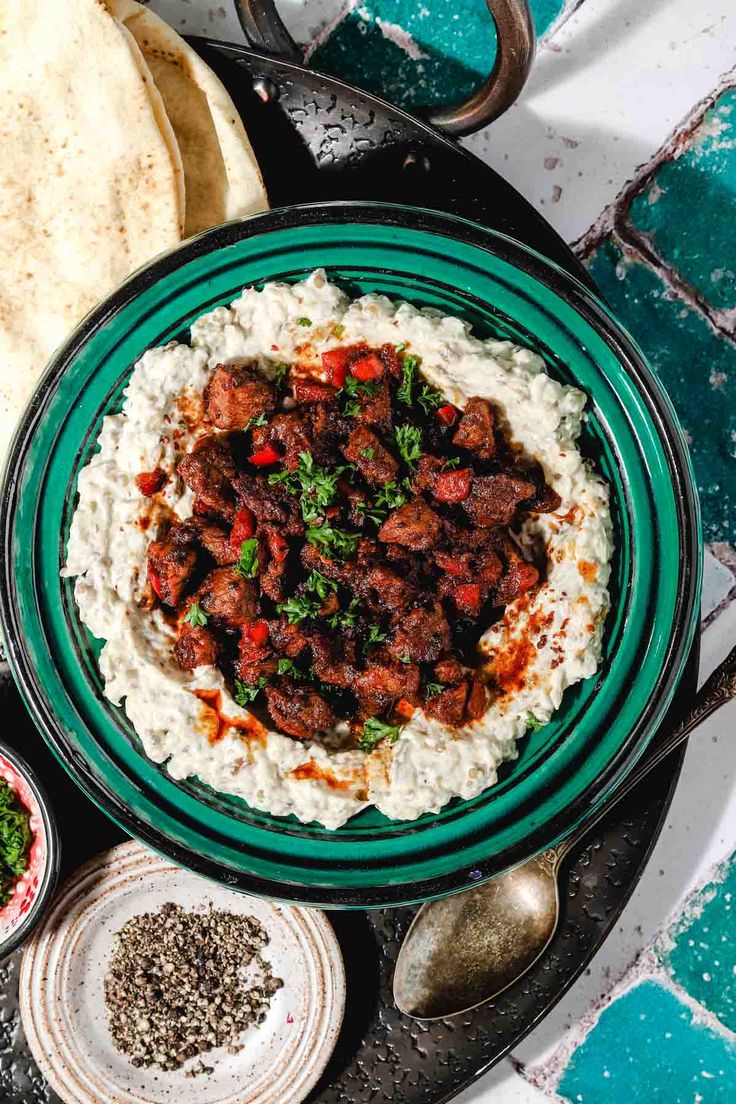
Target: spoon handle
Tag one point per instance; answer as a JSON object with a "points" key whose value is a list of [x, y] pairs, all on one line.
{"points": [[715, 692]]}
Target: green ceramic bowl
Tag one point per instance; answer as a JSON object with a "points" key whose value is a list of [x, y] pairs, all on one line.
{"points": [[564, 770]]}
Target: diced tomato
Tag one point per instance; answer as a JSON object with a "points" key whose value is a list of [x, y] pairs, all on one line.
{"points": [[337, 361], [306, 391], [447, 414], [453, 565], [243, 528], [148, 483], [264, 456], [467, 598], [369, 367], [278, 546], [452, 486], [154, 581], [257, 632]]}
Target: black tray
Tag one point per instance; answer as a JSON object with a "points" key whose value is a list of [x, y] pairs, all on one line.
{"points": [[317, 138]]}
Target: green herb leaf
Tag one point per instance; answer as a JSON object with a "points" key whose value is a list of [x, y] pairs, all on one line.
{"points": [[429, 399], [280, 374], [352, 390], [248, 559], [316, 486], [347, 618], [400, 348], [319, 585], [409, 367], [288, 667], [245, 693], [409, 442], [297, 608], [304, 321], [453, 462], [369, 453], [15, 839], [260, 420], [376, 635], [334, 543], [338, 330], [432, 689], [374, 731], [533, 723], [390, 496], [195, 615]]}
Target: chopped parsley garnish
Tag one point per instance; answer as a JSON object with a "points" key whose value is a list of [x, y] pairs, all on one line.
{"points": [[368, 453], [319, 585], [409, 366], [15, 839], [391, 496], [316, 486], [304, 321], [374, 731], [453, 462], [353, 389], [400, 348], [432, 689], [245, 693], [280, 374], [288, 667], [338, 329], [334, 543], [409, 442], [260, 420], [429, 399], [373, 513], [297, 608], [347, 618], [195, 615], [248, 559], [533, 723], [376, 635]]}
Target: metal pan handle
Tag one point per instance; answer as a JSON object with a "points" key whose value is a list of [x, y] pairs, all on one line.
{"points": [[515, 50]]}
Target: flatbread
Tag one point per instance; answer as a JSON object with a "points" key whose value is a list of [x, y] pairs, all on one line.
{"points": [[222, 178], [89, 187]]}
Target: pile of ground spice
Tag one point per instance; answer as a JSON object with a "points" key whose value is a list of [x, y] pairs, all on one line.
{"points": [[181, 983]]}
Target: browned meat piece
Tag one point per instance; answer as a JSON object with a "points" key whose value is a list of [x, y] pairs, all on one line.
{"points": [[390, 358], [171, 563], [425, 477], [235, 394], [356, 500], [214, 539], [477, 701], [421, 635], [332, 663], [374, 462], [270, 503], [196, 647], [375, 409], [448, 706], [476, 431], [545, 500], [329, 429], [495, 499], [383, 682], [414, 525], [290, 432], [520, 577], [345, 573], [256, 659], [208, 471], [298, 711], [449, 671], [228, 598], [384, 589], [287, 639]]}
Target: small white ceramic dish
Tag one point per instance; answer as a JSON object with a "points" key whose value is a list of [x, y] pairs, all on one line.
{"points": [[62, 1002]]}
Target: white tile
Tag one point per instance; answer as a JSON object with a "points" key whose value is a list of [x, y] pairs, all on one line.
{"points": [[305, 19], [503, 1085], [604, 95], [718, 583]]}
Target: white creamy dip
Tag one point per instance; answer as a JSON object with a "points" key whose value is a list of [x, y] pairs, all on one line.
{"points": [[547, 640]]}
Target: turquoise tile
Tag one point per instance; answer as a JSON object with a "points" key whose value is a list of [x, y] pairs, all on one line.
{"points": [[647, 1049], [702, 958], [687, 207], [697, 367], [451, 46]]}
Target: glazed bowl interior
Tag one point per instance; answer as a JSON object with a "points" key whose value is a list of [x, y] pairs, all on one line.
{"points": [[565, 769]]}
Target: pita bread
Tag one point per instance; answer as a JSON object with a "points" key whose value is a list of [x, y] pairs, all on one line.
{"points": [[89, 186], [222, 178]]}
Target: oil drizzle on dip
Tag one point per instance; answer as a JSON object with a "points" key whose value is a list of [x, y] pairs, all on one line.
{"points": [[313, 772], [218, 723]]}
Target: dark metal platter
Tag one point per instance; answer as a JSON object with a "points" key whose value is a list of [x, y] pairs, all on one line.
{"points": [[317, 138]]}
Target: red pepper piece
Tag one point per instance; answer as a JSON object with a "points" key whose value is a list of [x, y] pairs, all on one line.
{"points": [[369, 367], [305, 391], [278, 546], [243, 528], [148, 483], [467, 598], [447, 414], [155, 582], [257, 632], [452, 486], [264, 456], [337, 361]]}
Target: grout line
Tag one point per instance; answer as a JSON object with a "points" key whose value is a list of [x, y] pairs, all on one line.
{"points": [[321, 37], [567, 12]]}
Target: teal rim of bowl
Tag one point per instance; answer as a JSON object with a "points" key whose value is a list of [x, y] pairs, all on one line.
{"points": [[565, 770]]}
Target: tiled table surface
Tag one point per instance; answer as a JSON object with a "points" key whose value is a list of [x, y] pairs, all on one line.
{"points": [[625, 138]]}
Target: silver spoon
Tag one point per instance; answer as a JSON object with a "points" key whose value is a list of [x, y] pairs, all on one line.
{"points": [[463, 950]]}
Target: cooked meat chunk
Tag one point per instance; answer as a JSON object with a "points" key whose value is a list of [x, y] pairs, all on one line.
{"points": [[332, 663], [289, 433], [287, 639], [449, 671], [208, 471], [545, 500], [214, 539], [334, 570], [384, 589], [519, 577], [374, 462], [477, 701], [196, 647], [171, 564], [383, 682], [495, 499], [255, 661], [414, 525], [476, 431], [425, 476], [235, 394], [300, 712], [228, 599], [375, 407], [274, 552], [421, 635], [449, 705], [329, 429], [269, 503]]}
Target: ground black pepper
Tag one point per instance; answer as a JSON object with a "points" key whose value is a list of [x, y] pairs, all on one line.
{"points": [[181, 983]]}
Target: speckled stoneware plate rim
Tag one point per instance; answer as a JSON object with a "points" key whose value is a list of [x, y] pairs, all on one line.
{"points": [[304, 1018], [388, 222]]}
